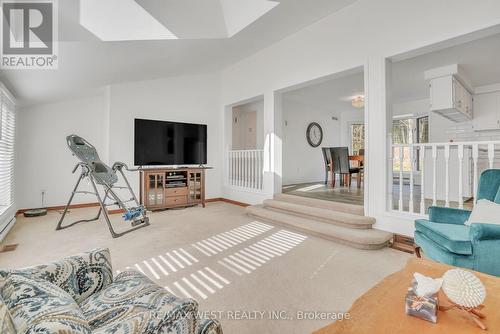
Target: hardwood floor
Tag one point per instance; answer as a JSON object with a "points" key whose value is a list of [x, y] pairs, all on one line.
{"points": [[355, 195], [319, 190]]}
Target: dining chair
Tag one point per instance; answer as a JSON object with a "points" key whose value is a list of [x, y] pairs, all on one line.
{"points": [[327, 157], [341, 165], [361, 175]]}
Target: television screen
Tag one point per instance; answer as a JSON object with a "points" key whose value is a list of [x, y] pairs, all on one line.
{"points": [[169, 143]]}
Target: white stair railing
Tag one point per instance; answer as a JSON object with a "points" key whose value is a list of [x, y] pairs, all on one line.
{"points": [[444, 174], [245, 169]]}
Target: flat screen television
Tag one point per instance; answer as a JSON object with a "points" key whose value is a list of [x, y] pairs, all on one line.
{"points": [[169, 143]]}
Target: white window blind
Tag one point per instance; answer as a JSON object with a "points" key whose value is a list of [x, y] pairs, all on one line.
{"points": [[7, 134]]}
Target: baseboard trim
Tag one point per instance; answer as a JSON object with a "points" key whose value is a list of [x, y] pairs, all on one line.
{"points": [[61, 207], [229, 201], [112, 212]]}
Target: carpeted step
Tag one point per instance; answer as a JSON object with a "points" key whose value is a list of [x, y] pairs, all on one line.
{"points": [[325, 215], [358, 238], [322, 204]]}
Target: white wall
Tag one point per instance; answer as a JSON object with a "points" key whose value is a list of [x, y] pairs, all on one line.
{"points": [[43, 161], [326, 48], [190, 99], [301, 162]]}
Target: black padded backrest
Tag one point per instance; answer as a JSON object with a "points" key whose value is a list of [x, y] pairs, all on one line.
{"points": [[327, 155], [340, 157]]}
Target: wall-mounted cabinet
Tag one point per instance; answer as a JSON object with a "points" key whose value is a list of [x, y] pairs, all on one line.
{"points": [[450, 99], [487, 111]]}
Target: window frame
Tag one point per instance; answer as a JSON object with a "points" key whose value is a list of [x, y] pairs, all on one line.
{"points": [[415, 139], [8, 104], [351, 137]]}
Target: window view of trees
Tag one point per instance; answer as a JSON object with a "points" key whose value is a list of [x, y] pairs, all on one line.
{"points": [[409, 131], [358, 138]]}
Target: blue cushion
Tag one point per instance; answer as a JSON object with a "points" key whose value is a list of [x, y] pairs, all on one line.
{"points": [[489, 184], [452, 237], [441, 254], [497, 197]]}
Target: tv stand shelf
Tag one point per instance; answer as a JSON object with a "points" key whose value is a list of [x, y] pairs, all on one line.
{"points": [[165, 188]]}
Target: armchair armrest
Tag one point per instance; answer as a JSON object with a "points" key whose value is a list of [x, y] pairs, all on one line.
{"points": [[479, 231], [448, 215]]}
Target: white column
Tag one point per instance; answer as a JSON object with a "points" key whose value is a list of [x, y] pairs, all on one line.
{"points": [[272, 179], [378, 116]]}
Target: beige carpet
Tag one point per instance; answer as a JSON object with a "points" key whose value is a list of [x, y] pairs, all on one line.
{"points": [[231, 264]]}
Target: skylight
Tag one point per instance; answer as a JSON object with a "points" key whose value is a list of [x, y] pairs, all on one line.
{"points": [[124, 20]]}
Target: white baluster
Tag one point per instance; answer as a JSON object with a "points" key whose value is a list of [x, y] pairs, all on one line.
{"points": [[447, 175], [254, 169], [233, 161], [422, 179], [245, 169], [401, 153], [460, 176], [410, 203], [491, 154], [261, 169], [240, 168], [229, 167], [475, 156], [242, 177], [434, 176]]}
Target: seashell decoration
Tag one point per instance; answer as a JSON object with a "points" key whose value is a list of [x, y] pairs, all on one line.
{"points": [[463, 288]]}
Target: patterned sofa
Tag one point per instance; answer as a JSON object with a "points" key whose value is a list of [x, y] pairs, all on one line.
{"points": [[79, 295]]}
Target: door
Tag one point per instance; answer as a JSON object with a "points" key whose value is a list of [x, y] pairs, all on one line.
{"points": [[250, 130], [195, 186], [155, 189]]}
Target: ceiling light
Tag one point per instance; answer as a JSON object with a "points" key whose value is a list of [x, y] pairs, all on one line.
{"points": [[358, 102]]}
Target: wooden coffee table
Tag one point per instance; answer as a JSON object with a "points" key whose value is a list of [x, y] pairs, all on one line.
{"points": [[382, 308]]}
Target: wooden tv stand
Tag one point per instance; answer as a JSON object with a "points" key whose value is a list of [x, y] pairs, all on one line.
{"points": [[165, 188]]}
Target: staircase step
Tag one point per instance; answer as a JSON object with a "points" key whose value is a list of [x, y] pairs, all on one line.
{"points": [[322, 204], [358, 238], [325, 215]]}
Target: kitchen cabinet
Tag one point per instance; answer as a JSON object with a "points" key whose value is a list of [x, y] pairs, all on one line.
{"points": [[486, 111]]}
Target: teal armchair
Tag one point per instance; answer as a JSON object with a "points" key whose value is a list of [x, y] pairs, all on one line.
{"points": [[445, 238]]}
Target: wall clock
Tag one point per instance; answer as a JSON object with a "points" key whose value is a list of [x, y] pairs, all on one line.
{"points": [[314, 134]]}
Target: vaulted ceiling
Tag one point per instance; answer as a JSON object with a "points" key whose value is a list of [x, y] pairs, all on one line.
{"points": [[181, 37]]}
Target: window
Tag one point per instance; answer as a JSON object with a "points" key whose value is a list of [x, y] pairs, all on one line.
{"points": [[7, 128], [357, 138], [409, 131]]}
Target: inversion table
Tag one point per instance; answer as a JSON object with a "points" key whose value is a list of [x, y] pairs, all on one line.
{"points": [[98, 173]]}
